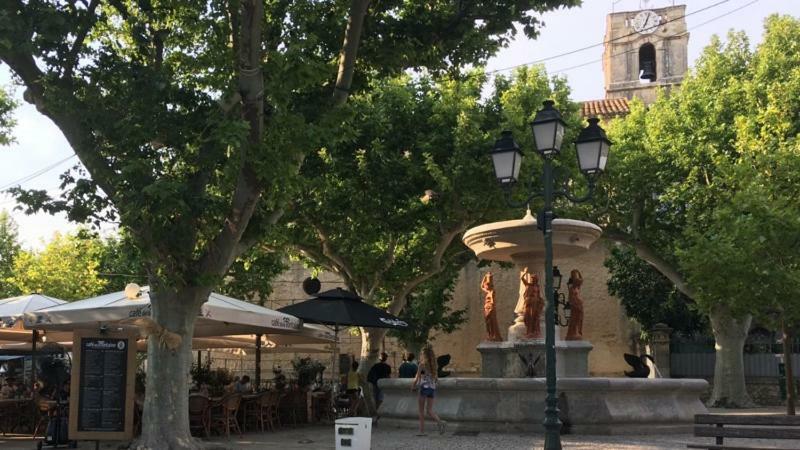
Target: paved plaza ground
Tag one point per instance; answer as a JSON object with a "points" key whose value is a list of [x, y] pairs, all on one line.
{"points": [[320, 437]]}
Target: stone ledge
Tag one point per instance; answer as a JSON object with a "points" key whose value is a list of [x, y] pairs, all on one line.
{"points": [[591, 405]]}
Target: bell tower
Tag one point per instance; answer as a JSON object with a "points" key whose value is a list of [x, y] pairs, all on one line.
{"points": [[644, 50]]}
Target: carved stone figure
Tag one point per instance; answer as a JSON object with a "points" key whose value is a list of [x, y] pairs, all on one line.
{"points": [[530, 364], [534, 304], [489, 310], [575, 330]]}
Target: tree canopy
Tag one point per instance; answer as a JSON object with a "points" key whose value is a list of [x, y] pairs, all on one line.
{"points": [[67, 268], [385, 207], [648, 296], [704, 176], [9, 249], [7, 105], [149, 96]]}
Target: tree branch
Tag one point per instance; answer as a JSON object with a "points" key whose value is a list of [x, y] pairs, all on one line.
{"points": [[318, 257], [250, 239], [222, 251], [80, 37], [400, 298], [650, 256], [332, 255], [387, 264], [349, 52]]}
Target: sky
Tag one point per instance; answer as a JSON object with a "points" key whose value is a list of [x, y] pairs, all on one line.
{"points": [[41, 153]]}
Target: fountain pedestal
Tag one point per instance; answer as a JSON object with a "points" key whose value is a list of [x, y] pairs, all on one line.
{"points": [[505, 359]]}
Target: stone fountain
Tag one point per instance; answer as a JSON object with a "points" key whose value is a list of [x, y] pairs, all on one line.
{"points": [[521, 243], [501, 400]]}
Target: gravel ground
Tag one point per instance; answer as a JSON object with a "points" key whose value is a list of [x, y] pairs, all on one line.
{"points": [[321, 438]]}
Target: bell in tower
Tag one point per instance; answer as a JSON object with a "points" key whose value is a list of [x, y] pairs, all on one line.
{"points": [[647, 63]]}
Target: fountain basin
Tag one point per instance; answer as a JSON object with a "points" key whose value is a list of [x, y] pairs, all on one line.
{"points": [[588, 405], [519, 240]]}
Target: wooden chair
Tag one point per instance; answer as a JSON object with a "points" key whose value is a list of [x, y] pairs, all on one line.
{"points": [[348, 404], [322, 407], [251, 411], [288, 406], [200, 414], [268, 410], [225, 417], [263, 411]]}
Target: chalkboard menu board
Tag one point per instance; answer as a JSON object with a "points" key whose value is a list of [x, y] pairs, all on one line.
{"points": [[102, 385]]}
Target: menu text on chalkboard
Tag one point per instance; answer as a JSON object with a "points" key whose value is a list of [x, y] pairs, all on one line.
{"points": [[102, 384]]}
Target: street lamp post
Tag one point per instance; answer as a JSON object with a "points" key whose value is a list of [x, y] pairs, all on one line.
{"points": [[592, 148]]}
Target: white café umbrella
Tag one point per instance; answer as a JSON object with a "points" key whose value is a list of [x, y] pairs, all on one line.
{"points": [[15, 307], [219, 316]]}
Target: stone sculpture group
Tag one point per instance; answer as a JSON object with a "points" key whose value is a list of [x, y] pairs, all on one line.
{"points": [[533, 306]]}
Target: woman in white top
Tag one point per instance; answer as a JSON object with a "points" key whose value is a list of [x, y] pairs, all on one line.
{"points": [[426, 379]]}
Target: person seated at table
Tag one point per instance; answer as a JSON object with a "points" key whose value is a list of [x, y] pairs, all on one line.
{"points": [[201, 390], [231, 388], [9, 390], [243, 386]]}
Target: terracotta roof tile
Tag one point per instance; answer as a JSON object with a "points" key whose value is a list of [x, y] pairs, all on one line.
{"points": [[607, 107]]}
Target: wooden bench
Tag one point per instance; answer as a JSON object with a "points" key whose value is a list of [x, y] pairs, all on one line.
{"points": [[722, 426]]}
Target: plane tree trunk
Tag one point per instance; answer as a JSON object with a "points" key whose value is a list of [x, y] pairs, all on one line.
{"points": [[167, 384], [730, 334]]}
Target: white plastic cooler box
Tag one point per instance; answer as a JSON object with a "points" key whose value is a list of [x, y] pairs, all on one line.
{"points": [[353, 433]]}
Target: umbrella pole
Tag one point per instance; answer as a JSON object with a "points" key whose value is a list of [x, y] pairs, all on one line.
{"points": [[335, 374], [34, 337], [258, 363]]}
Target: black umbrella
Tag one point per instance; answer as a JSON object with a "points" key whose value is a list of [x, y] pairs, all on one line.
{"points": [[342, 309], [339, 307]]}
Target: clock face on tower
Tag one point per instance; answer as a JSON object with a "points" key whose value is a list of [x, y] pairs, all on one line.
{"points": [[646, 22]]}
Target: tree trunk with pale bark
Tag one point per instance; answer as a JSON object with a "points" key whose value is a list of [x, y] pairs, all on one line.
{"points": [[167, 399], [730, 334]]}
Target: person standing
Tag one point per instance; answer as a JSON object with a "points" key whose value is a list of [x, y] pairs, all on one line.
{"points": [[427, 379], [409, 368], [378, 371], [353, 381]]}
